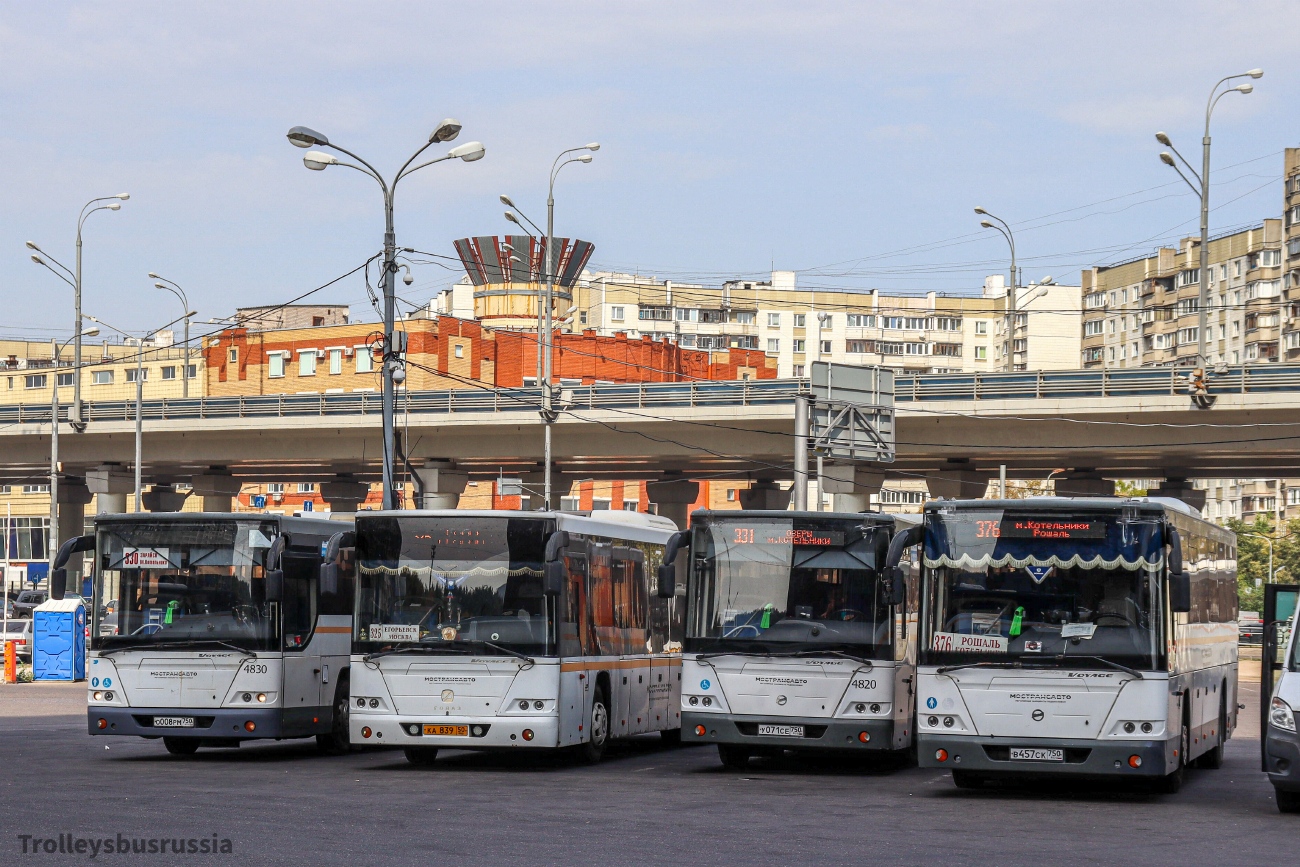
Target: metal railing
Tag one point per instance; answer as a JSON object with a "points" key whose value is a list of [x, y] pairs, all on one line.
{"points": [[908, 388]]}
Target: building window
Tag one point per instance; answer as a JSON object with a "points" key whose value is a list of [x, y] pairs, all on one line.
{"points": [[459, 350], [336, 362], [141, 372], [365, 359], [307, 362], [774, 345], [916, 349], [28, 538], [275, 365], [66, 379], [981, 353], [1092, 327], [317, 321], [826, 347], [34, 380], [36, 489], [774, 320], [233, 356], [799, 319], [798, 370], [655, 314], [947, 323], [901, 498], [570, 504], [582, 317], [798, 346], [101, 377], [169, 371], [744, 317], [731, 495], [861, 320], [616, 314], [306, 487], [857, 347], [275, 488], [982, 327], [952, 350]]}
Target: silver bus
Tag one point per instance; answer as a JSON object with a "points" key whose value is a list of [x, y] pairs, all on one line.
{"points": [[217, 628], [482, 630], [795, 639], [1075, 636]]}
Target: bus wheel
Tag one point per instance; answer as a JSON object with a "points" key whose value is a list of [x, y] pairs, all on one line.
{"points": [[1287, 802], [733, 757], [421, 756], [967, 780], [597, 729], [337, 741], [181, 746]]}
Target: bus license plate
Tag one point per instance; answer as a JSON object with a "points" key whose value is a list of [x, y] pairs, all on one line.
{"points": [[447, 731], [1027, 754], [173, 722], [780, 731]]}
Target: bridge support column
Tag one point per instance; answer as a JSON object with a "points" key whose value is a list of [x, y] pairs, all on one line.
{"points": [[673, 499], [957, 484], [74, 496], [218, 488], [163, 498], [765, 494], [852, 485], [344, 493], [1084, 483], [110, 483], [443, 484], [1180, 488]]}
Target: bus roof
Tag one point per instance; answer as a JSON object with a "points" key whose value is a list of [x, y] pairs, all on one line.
{"points": [[324, 526], [742, 514], [637, 526]]}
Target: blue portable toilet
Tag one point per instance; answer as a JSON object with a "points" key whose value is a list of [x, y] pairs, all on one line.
{"points": [[59, 640]]}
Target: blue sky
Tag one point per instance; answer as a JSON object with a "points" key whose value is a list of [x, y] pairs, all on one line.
{"points": [[848, 141]]}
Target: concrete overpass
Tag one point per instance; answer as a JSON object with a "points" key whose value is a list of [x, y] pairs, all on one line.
{"points": [[952, 429]]}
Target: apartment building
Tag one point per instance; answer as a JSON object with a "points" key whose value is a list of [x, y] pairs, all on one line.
{"points": [[1291, 255], [108, 371]]}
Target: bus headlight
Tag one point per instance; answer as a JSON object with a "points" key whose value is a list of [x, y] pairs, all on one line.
{"points": [[98, 696], [1280, 715]]}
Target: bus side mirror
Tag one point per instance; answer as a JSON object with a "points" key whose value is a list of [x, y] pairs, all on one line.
{"points": [[553, 578], [329, 569], [895, 585], [275, 585], [58, 569], [1180, 583], [58, 582], [666, 574]]}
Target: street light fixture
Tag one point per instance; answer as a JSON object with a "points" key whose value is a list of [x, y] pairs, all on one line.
{"points": [[317, 160], [994, 222], [544, 320], [1203, 180], [175, 288], [114, 204], [54, 439]]}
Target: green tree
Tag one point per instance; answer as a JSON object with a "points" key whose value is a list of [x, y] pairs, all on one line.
{"points": [[1128, 488], [1252, 558]]}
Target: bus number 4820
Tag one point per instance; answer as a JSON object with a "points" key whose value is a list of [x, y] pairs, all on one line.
{"points": [[864, 684]]}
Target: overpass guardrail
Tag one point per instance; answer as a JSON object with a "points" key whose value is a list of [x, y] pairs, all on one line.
{"points": [[908, 388]]}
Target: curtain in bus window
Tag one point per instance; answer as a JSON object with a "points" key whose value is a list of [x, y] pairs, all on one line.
{"points": [[1127, 545]]}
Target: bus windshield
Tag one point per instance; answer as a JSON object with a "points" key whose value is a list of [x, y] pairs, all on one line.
{"points": [[1033, 586], [772, 585], [448, 584], [169, 581]]}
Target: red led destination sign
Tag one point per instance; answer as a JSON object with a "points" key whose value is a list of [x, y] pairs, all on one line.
{"points": [[1051, 528], [763, 535]]}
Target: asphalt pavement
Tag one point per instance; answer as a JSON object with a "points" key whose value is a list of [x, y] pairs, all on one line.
{"points": [[645, 804]]}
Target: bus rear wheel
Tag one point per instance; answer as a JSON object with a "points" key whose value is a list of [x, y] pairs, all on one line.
{"points": [[181, 746], [421, 756], [597, 729], [734, 757]]}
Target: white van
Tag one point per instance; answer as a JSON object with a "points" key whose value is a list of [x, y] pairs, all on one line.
{"points": [[1281, 740]]}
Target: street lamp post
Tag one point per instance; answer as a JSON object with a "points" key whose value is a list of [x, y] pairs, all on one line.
{"points": [[175, 289], [393, 372], [1009, 326], [544, 322], [1203, 179], [86, 211], [54, 440]]}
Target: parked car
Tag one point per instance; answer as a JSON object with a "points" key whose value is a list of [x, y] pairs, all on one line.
{"points": [[27, 602], [1250, 631], [108, 624], [20, 631]]}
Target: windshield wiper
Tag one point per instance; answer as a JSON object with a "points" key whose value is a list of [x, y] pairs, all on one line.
{"points": [[947, 668], [1065, 657], [178, 645], [455, 646], [787, 654]]}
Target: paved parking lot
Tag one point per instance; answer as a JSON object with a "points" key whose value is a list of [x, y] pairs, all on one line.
{"points": [[646, 804]]}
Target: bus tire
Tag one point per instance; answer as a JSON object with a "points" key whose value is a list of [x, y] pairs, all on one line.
{"points": [[337, 742], [421, 757], [593, 750], [967, 780], [1287, 802], [733, 757], [181, 746], [671, 737]]}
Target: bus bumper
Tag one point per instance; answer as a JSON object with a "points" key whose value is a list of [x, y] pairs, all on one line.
{"points": [[1282, 759], [820, 733], [482, 733], [209, 722], [1083, 757]]}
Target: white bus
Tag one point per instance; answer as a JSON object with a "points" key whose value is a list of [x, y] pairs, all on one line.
{"points": [[1091, 637], [794, 638], [488, 630], [217, 628]]}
